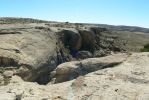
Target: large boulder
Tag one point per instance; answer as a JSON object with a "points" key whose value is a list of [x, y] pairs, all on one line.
{"points": [[84, 54], [70, 70], [99, 41], [33, 52], [71, 39]]}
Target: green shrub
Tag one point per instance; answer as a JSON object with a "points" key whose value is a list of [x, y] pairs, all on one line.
{"points": [[146, 48]]}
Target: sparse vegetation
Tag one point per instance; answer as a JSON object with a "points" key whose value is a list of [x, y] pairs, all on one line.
{"points": [[11, 20], [146, 48]]}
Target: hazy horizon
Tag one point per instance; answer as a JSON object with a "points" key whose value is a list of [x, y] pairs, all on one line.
{"points": [[112, 12]]}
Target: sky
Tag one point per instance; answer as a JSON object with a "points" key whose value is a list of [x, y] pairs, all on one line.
{"points": [[114, 12]]}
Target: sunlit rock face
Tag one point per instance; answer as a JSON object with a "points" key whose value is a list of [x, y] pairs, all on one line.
{"points": [[71, 70], [66, 61], [34, 51], [126, 81]]}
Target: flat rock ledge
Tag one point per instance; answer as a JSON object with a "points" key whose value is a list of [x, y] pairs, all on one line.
{"points": [[128, 80]]}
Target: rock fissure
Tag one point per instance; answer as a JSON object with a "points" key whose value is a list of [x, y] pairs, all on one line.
{"points": [[5, 33], [16, 50], [71, 70], [8, 62]]}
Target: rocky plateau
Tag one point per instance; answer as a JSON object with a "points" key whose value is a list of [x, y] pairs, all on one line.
{"points": [[42, 60]]}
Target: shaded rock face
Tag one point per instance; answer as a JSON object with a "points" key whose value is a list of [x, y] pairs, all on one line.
{"points": [[88, 40], [106, 41], [84, 54], [7, 62], [71, 39], [98, 41]]}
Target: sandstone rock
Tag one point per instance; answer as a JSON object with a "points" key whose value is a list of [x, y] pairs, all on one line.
{"points": [[30, 52], [16, 79], [100, 53], [7, 96], [34, 50], [70, 70], [8, 74], [88, 40], [72, 39], [98, 41], [107, 41], [127, 81], [84, 54]]}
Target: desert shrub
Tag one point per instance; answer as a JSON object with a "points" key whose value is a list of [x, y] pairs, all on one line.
{"points": [[146, 48]]}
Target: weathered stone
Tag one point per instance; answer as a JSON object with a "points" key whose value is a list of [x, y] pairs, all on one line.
{"points": [[70, 70], [126, 81], [100, 53], [72, 39], [33, 50], [84, 54], [30, 52], [88, 40], [8, 74]]}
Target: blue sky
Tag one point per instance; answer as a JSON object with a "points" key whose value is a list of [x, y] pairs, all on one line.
{"points": [[116, 12]]}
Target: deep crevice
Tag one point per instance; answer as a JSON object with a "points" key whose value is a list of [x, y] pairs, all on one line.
{"points": [[8, 62], [82, 70], [5, 33]]}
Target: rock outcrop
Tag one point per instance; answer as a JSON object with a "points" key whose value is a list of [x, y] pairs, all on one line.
{"points": [[127, 81], [71, 39], [107, 41], [84, 54], [33, 51], [93, 40], [29, 52], [42, 60], [71, 70], [88, 40]]}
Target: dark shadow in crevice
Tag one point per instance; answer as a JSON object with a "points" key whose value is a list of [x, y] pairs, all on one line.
{"points": [[5, 33], [8, 62]]}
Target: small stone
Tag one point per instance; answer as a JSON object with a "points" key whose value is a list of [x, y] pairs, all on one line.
{"points": [[84, 54], [8, 74]]}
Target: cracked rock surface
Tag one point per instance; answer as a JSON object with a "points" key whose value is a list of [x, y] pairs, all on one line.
{"points": [[70, 70], [65, 61], [34, 50], [126, 81]]}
